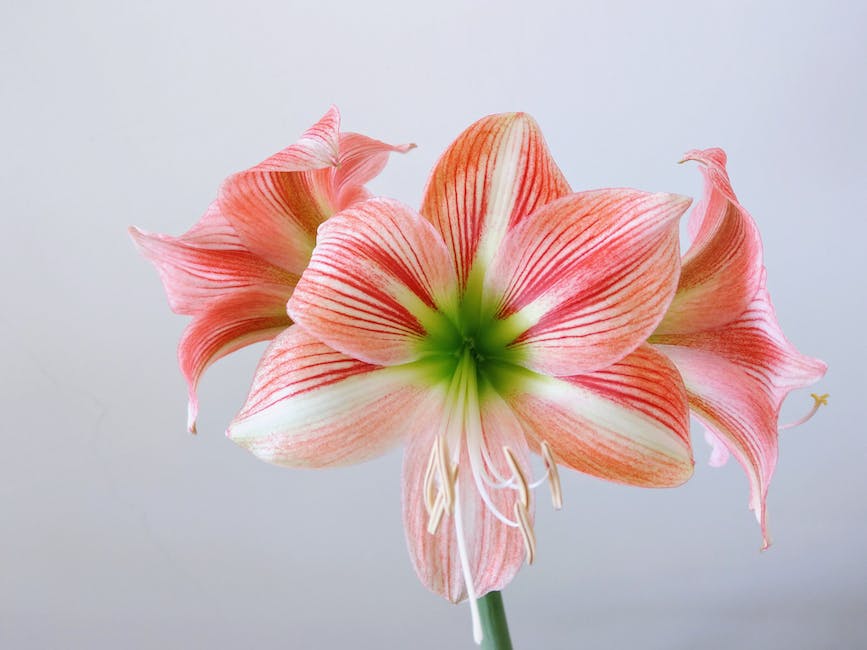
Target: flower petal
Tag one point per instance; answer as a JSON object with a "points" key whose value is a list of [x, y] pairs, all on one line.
{"points": [[627, 423], [376, 276], [497, 171], [319, 147], [495, 550], [361, 160], [206, 264], [228, 324], [588, 277], [311, 406], [721, 271], [276, 214], [736, 378]]}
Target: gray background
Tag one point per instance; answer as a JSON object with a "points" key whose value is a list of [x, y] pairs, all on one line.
{"points": [[119, 530]]}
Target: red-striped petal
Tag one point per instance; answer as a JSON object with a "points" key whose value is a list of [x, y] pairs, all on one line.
{"points": [[627, 423], [311, 406], [497, 171], [319, 147], [378, 272], [361, 160], [721, 271], [276, 214], [495, 551], [207, 264], [236, 320], [737, 377], [589, 276], [276, 211]]}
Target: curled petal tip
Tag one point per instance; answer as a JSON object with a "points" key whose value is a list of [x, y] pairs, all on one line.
{"points": [[680, 201], [192, 412], [712, 156], [139, 238], [403, 148]]}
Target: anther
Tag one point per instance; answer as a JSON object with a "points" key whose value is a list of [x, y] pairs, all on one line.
{"points": [[447, 484], [553, 476], [526, 531], [430, 490], [523, 488], [436, 514]]}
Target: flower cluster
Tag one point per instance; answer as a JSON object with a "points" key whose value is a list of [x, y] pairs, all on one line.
{"points": [[508, 316]]}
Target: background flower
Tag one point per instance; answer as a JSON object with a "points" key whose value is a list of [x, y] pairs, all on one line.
{"points": [[234, 270], [723, 336]]}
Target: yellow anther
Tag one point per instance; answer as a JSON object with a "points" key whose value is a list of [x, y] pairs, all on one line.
{"points": [[526, 529], [523, 488], [553, 476], [820, 400], [436, 514]]}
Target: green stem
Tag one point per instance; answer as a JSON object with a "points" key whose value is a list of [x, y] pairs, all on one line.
{"points": [[494, 626]]}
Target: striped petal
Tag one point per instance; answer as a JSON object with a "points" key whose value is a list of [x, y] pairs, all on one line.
{"points": [[737, 377], [588, 277], [627, 423], [228, 324], [722, 269], [276, 210], [311, 406], [319, 147], [206, 264], [495, 551], [497, 171], [377, 275], [361, 160], [276, 214]]}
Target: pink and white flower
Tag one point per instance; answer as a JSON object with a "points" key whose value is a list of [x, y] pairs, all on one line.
{"points": [[722, 334], [509, 317], [234, 270]]}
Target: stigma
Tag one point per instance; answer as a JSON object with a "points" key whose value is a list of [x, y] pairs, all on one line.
{"points": [[818, 402]]}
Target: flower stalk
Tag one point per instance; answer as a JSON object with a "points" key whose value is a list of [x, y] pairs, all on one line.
{"points": [[495, 628]]}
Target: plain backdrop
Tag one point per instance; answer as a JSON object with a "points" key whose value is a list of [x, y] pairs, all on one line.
{"points": [[120, 530]]}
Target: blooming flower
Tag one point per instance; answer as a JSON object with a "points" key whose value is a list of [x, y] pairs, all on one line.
{"points": [[234, 270], [722, 334], [509, 317]]}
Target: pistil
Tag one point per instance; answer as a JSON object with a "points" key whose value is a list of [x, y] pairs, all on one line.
{"points": [[818, 401]]}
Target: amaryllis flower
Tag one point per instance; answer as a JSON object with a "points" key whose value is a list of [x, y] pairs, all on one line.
{"points": [[234, 270], [723, 336], [509, 317]]}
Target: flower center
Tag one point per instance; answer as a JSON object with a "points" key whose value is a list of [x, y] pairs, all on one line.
{"points": [[470, 352]]}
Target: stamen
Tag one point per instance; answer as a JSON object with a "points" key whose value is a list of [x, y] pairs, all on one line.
{"points": [[553, 475], [539, 480], [499, 481], [818, 400], [436, 514], [430, 489], [526, 531], [446, 475], [476, 448], [523, 489]]}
